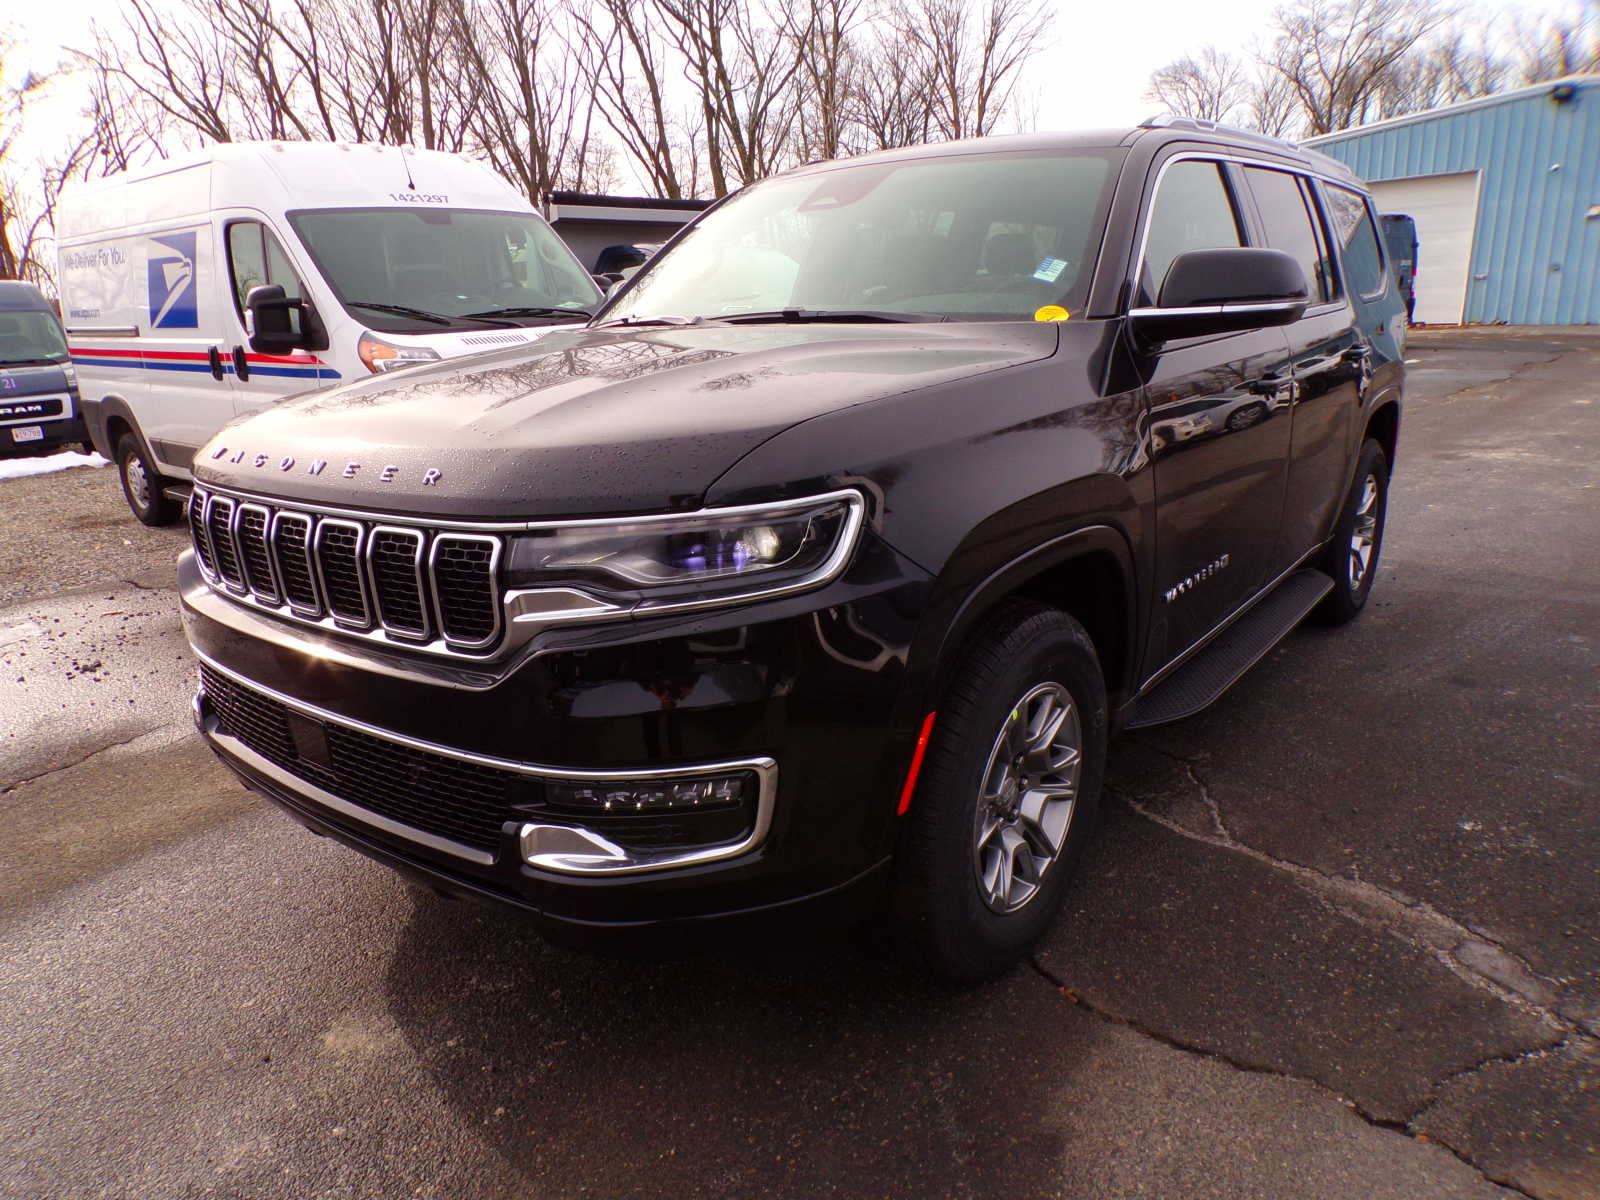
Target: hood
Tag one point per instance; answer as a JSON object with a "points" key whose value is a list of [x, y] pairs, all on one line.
{"points": [[593, 422], [33, 379]]}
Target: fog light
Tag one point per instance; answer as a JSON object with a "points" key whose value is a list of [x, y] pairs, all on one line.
{"points": [[625, 796]]}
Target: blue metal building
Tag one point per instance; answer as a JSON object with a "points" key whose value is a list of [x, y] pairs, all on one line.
{"points": [[1506, 195]]}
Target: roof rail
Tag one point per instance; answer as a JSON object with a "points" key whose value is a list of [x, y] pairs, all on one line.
{"points": [[1200, 125]]}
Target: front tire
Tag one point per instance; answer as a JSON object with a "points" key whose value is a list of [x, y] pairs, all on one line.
{"points": [[1008, 796], [1352, 554], [142, 486]]}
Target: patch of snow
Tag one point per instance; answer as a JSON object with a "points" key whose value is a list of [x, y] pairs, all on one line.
{"points": [[21, 468]]}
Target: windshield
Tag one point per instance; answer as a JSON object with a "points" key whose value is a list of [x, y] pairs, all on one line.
{"points": [[447, 263], [967, 236], [31, 337]]}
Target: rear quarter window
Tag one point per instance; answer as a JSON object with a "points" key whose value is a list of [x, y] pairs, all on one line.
{"points": [[1357, 236]]}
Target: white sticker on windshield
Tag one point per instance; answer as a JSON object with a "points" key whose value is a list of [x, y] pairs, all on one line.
{"points": [[1050, 269]]}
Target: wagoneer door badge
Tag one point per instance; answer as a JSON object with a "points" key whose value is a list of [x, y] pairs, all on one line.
{"points": [[1205, 572], [388, 473]]}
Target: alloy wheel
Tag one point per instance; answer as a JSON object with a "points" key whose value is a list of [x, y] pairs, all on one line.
{"points": [[1364, 536], [1028, 795]]}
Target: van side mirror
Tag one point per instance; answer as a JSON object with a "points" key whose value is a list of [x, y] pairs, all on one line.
{"points": [[274, 327], [1208, 292]]}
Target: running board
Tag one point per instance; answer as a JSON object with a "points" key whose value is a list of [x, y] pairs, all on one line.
{"points": [[1240, 646], [178, 493]]}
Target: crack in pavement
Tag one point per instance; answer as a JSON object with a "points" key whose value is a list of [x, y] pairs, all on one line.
{"points": [[56, 768], [1404, 1128], [1471, 955]]}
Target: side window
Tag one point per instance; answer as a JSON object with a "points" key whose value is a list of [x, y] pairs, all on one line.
{"points": [[255, 258], [1358, 240], [1292, 226], [1193, 211]]}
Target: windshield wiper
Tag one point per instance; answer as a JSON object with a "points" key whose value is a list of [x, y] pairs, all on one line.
{"points": [[664, 319], [31, 362], [534, 310], [800, 316], [418, 314]]}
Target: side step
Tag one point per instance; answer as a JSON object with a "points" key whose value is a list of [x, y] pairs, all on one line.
{"points": [[176, 492], [1240, 646]]}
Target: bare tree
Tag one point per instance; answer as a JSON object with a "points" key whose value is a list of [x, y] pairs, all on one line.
{"points": [[1337, 54], [1211, 85], [969, 54], [1560, 45], [623, 61], [824, 33]]}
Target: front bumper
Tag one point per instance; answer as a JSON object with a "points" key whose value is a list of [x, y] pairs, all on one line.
{"points": [[809, 693], [57, 432]]}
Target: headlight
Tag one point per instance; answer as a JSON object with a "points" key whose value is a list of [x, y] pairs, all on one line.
{"points": [[71, 373], [381, 356], [716, 556]]}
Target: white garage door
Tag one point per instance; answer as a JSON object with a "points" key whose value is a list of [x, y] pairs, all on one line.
{"points": [[1445, 208]]}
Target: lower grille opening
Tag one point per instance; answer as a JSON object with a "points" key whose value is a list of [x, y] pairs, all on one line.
{"points": [[446, 797], [464, 802]]}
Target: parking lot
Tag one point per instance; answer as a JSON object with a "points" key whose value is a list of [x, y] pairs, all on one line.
{"points": [[1339, 935]]}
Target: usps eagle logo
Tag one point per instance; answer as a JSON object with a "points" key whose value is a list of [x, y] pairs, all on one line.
{"points": [[170, 271]]}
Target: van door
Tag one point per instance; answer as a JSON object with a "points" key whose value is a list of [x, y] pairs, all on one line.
{"points": [[256, 256], [189, 398]]}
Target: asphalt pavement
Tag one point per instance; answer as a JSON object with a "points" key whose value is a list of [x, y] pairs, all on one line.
{"points": [[1339, 935]]}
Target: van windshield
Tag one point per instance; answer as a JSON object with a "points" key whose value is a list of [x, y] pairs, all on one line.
{"points": [[971, 237], [449, 267], [31, 337]]}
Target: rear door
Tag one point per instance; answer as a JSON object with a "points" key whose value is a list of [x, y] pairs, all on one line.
{"points": [[1219, 424], [1330, 360], [256, 256]]}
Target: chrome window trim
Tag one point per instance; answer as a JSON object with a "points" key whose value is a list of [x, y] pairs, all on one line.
{"points": [[1131, 280], [308, 553], [559, 861], [423, 600], [344, 622], [272, 594], [497, 549]]}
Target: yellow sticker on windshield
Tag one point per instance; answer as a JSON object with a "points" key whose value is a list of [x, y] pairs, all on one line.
{"points": [[1051, 312]]}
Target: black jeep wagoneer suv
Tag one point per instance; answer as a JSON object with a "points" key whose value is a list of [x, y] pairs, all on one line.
{"points": [[830, 553]]}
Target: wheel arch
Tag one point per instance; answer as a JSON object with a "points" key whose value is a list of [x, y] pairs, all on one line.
{"points": [[1383, 424], [1087, 573]]}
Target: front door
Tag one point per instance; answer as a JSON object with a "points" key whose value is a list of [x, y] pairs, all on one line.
{"points": [[1219, 428], [257, 257]]}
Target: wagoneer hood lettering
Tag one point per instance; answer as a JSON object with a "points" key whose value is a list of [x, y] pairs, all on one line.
{"points": [[592, 422]]}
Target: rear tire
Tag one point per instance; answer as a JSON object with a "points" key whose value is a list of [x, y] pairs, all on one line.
{"points": [[142, 486], [1005, 804], [1351, 557]]}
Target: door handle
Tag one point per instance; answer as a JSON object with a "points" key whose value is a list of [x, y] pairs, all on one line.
{"points": [[214, 357], [241, 365]]}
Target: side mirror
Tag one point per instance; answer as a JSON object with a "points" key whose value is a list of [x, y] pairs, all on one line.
{"points": [[1208, 292], [272, 325]]}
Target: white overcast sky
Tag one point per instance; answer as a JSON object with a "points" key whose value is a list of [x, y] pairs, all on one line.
{"points": [[1092, 73]]}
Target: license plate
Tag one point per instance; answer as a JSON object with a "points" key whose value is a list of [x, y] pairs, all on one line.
{"points": [[28, 433]]}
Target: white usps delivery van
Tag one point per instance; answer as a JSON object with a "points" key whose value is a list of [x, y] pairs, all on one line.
{"points": [[202, 288]]}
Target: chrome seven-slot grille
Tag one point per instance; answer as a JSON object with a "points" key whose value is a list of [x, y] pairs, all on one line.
{"points": [[434, 587]]}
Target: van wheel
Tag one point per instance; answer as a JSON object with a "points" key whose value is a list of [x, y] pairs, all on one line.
{"points": [[1352, 554], [1008, 796], [141, 485]]}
